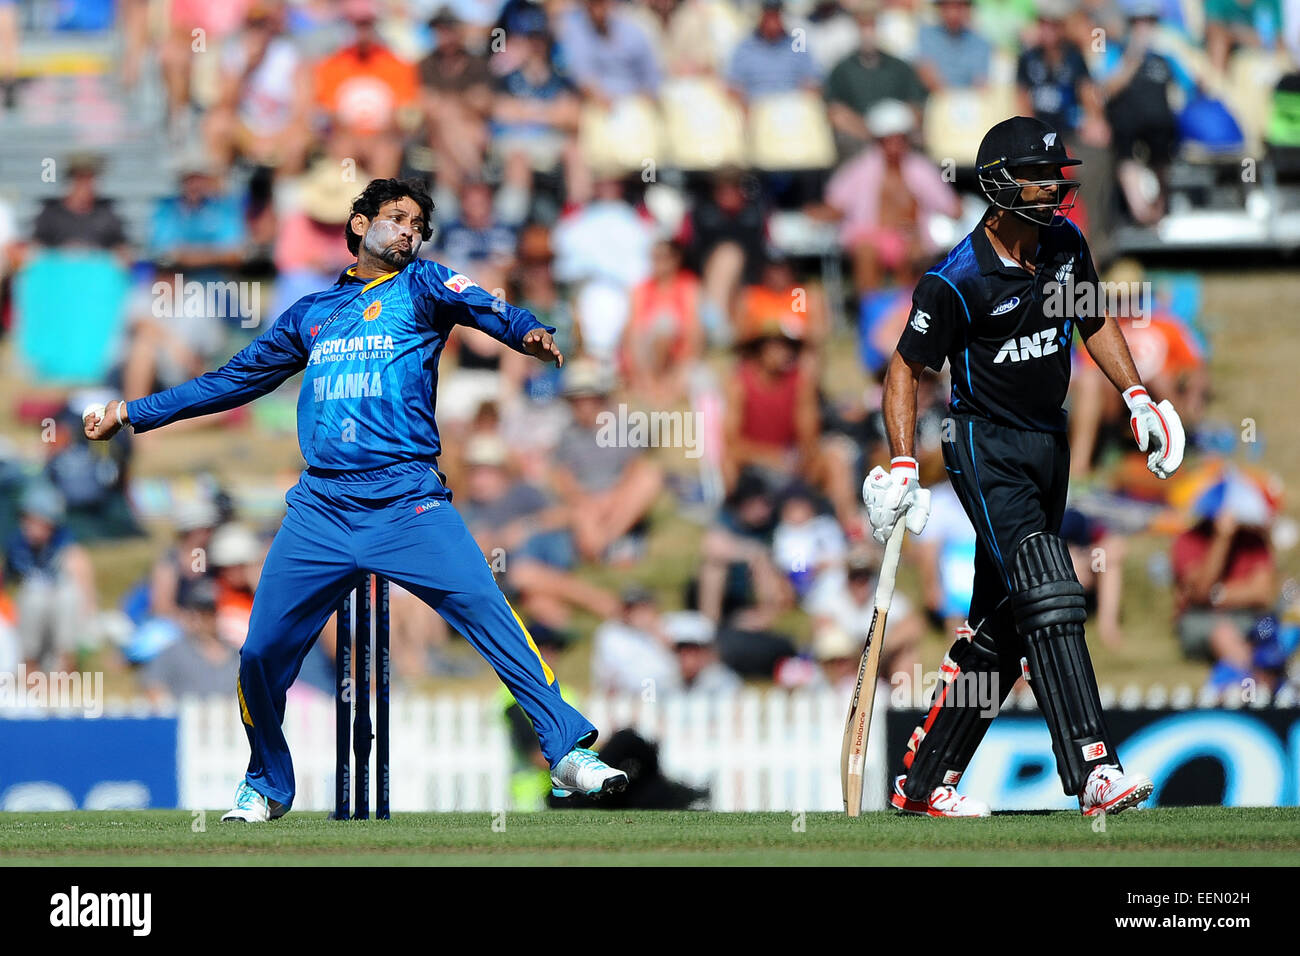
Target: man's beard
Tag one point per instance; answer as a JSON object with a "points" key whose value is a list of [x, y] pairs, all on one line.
{"points": [[383, 242], [396, 257]]}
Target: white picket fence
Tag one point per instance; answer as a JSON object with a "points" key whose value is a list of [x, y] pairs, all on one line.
{"points": [[768, 750]]}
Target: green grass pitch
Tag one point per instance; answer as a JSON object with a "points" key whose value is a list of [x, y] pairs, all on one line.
{"points": [[1178, 836]]}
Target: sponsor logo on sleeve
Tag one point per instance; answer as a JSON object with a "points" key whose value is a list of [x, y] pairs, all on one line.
{"points": [[458, 283], [921, 321]]}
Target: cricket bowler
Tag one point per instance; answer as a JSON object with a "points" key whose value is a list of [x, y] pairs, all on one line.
{"points": [[1000, 311], [372, 497]]}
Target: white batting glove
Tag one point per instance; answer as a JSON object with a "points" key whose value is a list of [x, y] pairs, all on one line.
{"points": [[1158, 428], [891, 495]]}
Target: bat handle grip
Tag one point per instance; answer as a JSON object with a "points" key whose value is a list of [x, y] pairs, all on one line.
{"points": [[889, 566]]}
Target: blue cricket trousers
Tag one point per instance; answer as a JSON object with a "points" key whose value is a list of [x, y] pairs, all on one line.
{"points": [[398, 522]]}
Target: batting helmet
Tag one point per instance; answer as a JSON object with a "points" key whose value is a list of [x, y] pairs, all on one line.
{"points": [[1011, 156]]}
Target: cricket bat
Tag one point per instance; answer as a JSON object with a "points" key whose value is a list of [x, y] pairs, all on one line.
{"points": [[853, 753]]}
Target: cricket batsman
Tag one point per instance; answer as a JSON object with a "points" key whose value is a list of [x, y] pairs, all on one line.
{"points": [[999, 309], [372, 498]]}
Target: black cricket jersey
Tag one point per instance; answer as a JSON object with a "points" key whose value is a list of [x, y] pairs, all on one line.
{"points": [[1007, 334]]}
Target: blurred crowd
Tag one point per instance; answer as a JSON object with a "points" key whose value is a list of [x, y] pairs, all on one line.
{"points": [[675, 186]]}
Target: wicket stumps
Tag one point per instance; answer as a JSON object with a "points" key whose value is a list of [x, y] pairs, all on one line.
{"points": [[352, 725]]}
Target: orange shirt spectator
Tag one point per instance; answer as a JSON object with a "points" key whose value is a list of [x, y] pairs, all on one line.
{"points": [[363, 87], [663, 335], [667, 310], [780, 304], [1161, 347]]}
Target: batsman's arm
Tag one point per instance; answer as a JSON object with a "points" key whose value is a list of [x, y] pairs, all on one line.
{"points": [[899, 405], [1109, 349], [938, 312]]}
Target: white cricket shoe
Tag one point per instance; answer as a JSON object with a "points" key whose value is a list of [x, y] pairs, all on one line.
{"points": [[944, 801], [1110, 790], [581, 771], [252, 807]]}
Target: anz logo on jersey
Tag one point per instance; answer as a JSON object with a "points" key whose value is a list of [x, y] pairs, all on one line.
{"points": [[1028, 347]]}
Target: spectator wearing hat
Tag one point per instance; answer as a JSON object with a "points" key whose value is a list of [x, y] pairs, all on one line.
{"points": [[308, 255], [81, 217], [235, 557], [663, 338], [632, 652], [1225, 579], [609, 485], [365, 90], [262, 112], [693, 639], [773, 422], [884, 199], [844, 597], [52, 579], [456, 97], [199, 664], [950, 54], [199, 232], [864, 78], [185, 563], [838, 656], [608, 54], [769, 61]]}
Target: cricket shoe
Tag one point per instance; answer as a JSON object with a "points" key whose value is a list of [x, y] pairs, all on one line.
{"points": [[944, 801], [1110, 790], [581, 771], [252, 807]]}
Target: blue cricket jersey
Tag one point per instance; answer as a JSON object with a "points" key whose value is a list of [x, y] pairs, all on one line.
{"points": [[369, 351]]}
